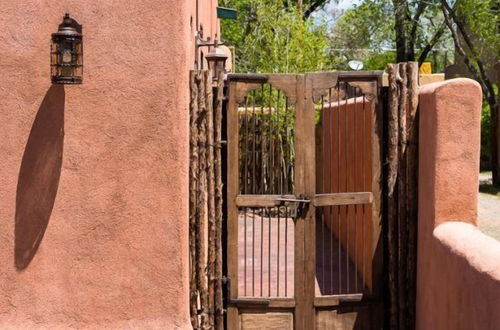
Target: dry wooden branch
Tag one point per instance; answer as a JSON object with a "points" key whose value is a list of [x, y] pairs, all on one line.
{"points": [[193, 167], [402, 197], [211, 198], [219, 318], [393, 127], [412, 159], [392, 155], [202, 204]]}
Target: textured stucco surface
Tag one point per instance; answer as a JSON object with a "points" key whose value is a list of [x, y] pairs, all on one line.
{"points": [[95, 174], [458, 280]]}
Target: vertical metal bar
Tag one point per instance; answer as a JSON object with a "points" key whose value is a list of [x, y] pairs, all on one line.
{"points": [[286, 251], [330, 143], [363, 223], [280, 145], [254, 181], [346, 86], [261, 249], [245, 252], [254, 152], [262, 145], [280, 190], [245, 191], [245, 158], [253, 254], [287, 145], [270, 151], [257, 135], [339, 218], [288, 189], [278, 263], [323, 173], [356, 189], [273, 142], [269, 254]]}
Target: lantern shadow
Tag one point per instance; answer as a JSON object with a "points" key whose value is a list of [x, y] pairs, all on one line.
{"points": [[39, 176]]}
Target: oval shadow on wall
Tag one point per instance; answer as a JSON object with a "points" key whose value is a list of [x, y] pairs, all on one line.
{"points": [[39, 176]]}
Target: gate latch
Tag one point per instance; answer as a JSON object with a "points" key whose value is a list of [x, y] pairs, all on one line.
{"points": [[301, 203]]}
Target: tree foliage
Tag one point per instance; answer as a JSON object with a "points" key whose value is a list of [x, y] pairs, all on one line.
{"points": [[474, 30], [270, 36], [369, 30], [280, 36]]}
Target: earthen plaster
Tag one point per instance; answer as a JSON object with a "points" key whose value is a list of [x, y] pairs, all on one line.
{"points": [[93, 188]]}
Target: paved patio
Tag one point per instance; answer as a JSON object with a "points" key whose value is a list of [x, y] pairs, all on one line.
{"points": [[488, 209], [266, 265]]}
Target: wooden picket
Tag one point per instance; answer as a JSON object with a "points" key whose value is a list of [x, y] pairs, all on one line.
{"points": [[205, 202], [402, 203]]}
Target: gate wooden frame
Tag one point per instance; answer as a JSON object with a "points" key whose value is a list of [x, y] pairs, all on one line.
{"points": [[303, 91]]}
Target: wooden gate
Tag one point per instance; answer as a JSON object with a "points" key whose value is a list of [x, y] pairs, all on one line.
{"points": [[304, 201]]}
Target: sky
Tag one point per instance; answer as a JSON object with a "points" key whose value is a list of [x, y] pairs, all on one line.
{"points": [[343, 4], [332, 6]]}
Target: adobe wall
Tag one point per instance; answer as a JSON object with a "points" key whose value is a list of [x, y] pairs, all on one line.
{"points": [[94, 184], [458, 274]]}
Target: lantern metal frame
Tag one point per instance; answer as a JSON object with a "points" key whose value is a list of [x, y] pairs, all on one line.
{"points": [[216, 62], [216, 58], [67, 53]]}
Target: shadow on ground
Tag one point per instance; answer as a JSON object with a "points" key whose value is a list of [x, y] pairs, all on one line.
{"points": [[490, 189]]}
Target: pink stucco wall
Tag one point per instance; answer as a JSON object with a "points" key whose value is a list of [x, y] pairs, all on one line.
{"points": [[94, 185], [458, 280]]}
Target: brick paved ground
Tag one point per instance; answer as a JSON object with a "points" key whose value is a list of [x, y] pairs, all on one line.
{"points": [[266, 266]]}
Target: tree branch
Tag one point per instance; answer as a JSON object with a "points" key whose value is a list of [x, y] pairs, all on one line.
{"points": [[400, 11], [483, 80], [463, 32], [413, 32], [313, 7], [458, 46], [427, 49], [420, 10]]}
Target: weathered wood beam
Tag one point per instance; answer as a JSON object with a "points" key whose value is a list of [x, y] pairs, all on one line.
{"points": [[343, 199]]}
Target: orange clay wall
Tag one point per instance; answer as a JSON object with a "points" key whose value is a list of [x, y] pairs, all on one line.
{"points": [[94, 180], [344, 165], [458, 280]]}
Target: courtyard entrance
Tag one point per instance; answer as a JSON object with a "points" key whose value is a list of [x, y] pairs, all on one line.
{"points": [[304, 183]]}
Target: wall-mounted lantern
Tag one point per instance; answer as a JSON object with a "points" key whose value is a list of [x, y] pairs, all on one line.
{"points": [[216, 60], [67, 53]]}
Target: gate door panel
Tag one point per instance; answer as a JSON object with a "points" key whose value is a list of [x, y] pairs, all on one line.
{"points": [[347, 225], [304, 201], [264, 208]]}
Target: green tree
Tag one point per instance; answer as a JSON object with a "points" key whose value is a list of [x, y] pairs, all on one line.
{"points": [[272, 36], [366, 31], [474, 27]]}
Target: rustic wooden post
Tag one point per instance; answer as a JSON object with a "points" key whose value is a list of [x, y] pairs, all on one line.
{"points": [[193, 168], [392, 155], [219, 318], [412, 156], [402, 197], [202, 204], [211, 198]]}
